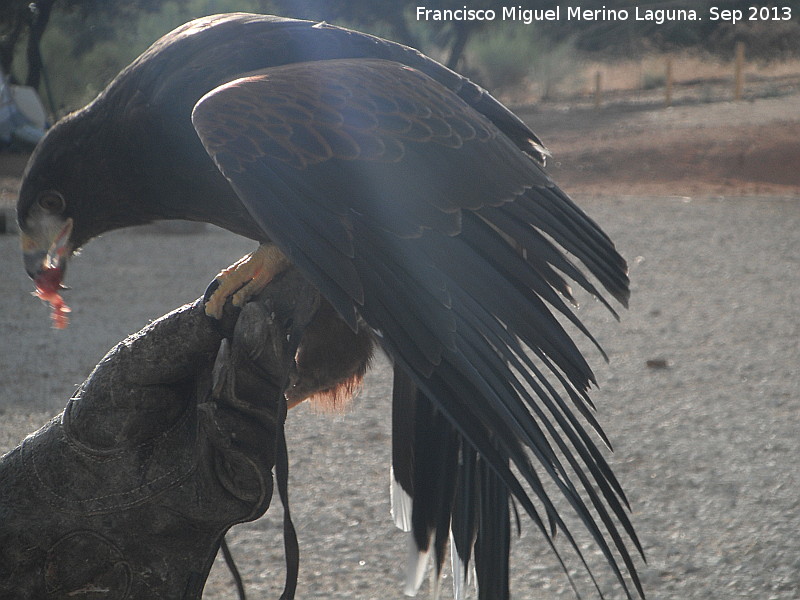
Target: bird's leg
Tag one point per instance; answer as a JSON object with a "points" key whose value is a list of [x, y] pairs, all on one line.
{"points": [[246, 277]]}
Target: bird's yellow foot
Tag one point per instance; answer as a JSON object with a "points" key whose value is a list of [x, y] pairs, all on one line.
{"points": [[246, 278]]}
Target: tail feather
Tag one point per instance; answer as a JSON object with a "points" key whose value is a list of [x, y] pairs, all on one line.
{"points": [[452, 495]]}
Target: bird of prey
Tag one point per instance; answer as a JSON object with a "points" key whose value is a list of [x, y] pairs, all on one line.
{"points": [[419, 207]]}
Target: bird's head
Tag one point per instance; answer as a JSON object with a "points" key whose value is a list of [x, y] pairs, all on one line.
{"points": [[73, 190], [49, 208], [46, 216], [47, 227]]}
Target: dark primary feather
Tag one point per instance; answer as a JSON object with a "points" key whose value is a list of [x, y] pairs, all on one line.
{"points": [[412, 198], [417, 187]]}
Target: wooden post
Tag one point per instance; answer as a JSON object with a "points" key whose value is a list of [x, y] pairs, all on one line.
{"points": [[598, 89], [739, 71], [668, 85]]}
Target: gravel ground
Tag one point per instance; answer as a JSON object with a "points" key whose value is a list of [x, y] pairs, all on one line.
{"points": [[706, 448]]}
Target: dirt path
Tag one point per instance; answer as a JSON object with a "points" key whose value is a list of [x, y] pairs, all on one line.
{"points": [[722, 149]]}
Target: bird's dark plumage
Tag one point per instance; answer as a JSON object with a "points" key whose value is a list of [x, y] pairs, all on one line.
{"points": [[419, 207]]}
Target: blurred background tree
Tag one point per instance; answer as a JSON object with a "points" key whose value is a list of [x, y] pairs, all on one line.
{"points": [[78, 26]]}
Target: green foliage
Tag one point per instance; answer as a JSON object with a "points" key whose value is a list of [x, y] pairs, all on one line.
{"points": [[503, 56], [556, 62], [506, 56], [386, 18], [83, 53]]}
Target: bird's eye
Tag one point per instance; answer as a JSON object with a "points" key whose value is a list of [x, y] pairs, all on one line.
{"points": [[52, 202]]}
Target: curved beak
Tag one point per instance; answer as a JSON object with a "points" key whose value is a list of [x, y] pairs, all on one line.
{"points": [[45, 251]]}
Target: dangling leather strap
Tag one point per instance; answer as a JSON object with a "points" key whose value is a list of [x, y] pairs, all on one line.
{"points": [[291, 546]]}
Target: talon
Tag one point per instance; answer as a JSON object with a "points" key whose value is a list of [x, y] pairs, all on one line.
{"points": [[212, 287], [244, 279]]}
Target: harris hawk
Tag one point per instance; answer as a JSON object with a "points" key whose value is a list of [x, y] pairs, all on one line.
{"points": [[419, 207]]}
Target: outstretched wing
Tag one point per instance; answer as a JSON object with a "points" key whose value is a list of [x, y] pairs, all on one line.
{"points": [[406, 205]]}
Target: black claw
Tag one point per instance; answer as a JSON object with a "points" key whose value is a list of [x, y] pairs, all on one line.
{"points": [[230, 313], [212, 287]]}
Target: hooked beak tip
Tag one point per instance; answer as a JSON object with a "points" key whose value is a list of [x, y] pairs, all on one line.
{"points": [[47, 265], [34, 263], [46, 275]]}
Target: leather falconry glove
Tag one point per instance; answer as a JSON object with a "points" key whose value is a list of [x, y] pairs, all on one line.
{"points": [[170, 441]]}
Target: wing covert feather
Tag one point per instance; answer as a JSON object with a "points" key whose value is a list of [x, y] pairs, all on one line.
{"points": [[402, 202]]}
